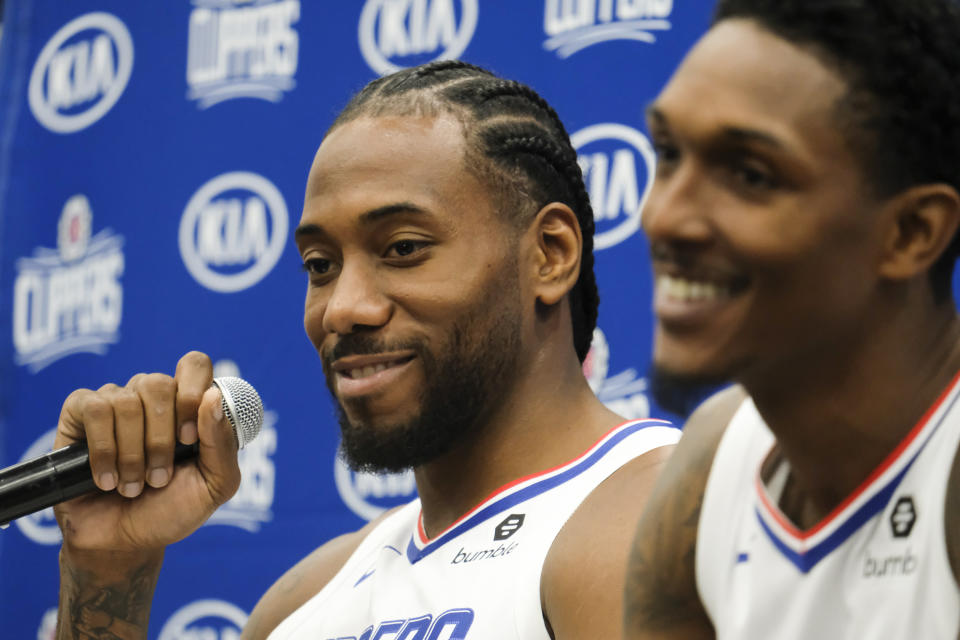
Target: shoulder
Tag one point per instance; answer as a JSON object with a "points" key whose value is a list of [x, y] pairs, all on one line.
{"points": [[660, 594], [582, 581], [305, 579]]}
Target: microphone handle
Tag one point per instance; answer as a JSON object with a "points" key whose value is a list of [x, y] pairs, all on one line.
{"points": [[58, 476]]}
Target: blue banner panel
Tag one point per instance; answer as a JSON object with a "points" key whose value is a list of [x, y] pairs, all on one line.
{"points": [[153, 157]]}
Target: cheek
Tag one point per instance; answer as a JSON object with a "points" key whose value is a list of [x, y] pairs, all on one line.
{"points": [[313, 320]]}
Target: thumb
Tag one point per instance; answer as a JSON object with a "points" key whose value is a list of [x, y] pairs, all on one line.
{"points": [[217, 448]]}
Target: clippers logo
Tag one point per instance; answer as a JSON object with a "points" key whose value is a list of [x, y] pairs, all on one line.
{"points": [[618, 164], [903, 518], [213, 619], [623, 393], [368, 494], [572, 25], [81, 72], [40, 527], [68, 300], [242, 49], [403, 33], [233, 231], [508, 527]]}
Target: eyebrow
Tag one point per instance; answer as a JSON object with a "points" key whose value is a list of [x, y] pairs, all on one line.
{"points": [[366, 218], [738, 134]]}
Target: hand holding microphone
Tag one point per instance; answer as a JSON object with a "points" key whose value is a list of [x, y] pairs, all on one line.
{"points": [[131, 436]]}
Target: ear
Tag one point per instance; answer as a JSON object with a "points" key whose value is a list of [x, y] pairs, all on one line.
{"points": [[925, 219], [558, 245]]}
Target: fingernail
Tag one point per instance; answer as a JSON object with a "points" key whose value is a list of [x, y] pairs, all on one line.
{"points": [[157, 477], [188, 432], [130, 490], [217, 412], [108, 481]]}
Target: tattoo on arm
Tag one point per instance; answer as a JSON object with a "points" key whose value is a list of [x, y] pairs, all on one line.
{"points": [[91, 611]]}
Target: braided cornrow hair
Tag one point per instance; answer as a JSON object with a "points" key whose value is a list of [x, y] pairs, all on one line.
{"points": [[901, 62], [516, 143]]}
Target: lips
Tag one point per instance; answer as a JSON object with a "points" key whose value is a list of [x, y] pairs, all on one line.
{"points": [[693, 298], [364, 375]]}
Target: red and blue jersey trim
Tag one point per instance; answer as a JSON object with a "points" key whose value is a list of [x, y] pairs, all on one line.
{"points": [[806, 548], [523, 489]]}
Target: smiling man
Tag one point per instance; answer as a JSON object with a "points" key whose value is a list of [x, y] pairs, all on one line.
{"points": [[807, 191], [446, 238]]}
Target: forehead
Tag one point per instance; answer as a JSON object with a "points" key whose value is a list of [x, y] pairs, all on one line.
{"points": [[367, 163], [740, 75]]}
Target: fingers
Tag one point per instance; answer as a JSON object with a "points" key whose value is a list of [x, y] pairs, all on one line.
{"points": [[218, 448], [131, 431], [194, 376]]}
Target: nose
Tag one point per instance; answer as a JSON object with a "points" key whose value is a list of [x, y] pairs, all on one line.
{"points": [[678, 207], [356, 302]]}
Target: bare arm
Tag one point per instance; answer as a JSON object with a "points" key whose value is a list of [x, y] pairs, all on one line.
{"points": [[660, 599], [113, 542], [583, 574]]}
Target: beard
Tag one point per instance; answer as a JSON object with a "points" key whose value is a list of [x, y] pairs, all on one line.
{"points": [[467, 377]]}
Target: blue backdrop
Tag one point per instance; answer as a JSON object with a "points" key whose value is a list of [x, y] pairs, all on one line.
{"points": [[153, 157]]}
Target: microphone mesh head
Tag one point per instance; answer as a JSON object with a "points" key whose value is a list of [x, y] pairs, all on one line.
{"points": [[242, 405]]}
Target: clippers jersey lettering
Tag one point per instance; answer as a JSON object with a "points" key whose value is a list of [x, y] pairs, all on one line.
{"points": [[480, 578], [876, 567]]}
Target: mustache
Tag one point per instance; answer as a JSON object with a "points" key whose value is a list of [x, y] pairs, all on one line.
{"points": [[364, 345]]}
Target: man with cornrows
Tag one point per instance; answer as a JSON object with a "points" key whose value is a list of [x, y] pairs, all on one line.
{"points": [[446, 238], [809, 176]]}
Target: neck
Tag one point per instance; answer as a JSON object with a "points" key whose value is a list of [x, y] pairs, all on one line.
{"points": [[838, 414], [549, 418]]}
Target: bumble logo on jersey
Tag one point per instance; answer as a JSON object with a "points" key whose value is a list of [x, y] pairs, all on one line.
{"points": [[233, 231], [81, 72], [241, 49], [206, 619], [370, 494], [572, 25], [403, 33], [618, 164], [624, 393], [69, 299]]}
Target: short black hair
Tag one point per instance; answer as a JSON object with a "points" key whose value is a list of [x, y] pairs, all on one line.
{"points": [[515, 143], [901, 62]]}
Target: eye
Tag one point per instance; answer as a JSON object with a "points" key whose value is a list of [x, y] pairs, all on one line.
{"points": [[406, 248], [754, 177], [317, 266]]}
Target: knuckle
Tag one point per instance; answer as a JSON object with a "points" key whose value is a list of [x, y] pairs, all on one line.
{"points": [[159, 386], [102, 449], [127, 405], [96, 408], [130, 460], [195, 359]]}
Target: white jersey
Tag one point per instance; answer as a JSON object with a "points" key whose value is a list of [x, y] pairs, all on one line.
{"points": [[876, 567], [478, 579]]}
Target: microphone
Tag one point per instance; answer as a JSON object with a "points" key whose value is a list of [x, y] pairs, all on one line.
{"points": [[64, 474]]}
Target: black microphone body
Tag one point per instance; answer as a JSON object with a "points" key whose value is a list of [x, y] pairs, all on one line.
{"points": [[53, 478], [65, 474]]}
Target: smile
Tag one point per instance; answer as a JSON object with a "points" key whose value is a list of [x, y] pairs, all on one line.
{"points": [[359, 373], [686, 290], [358, 376]]}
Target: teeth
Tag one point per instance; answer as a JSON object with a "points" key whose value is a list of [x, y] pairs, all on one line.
{"points": [[689, 290], [367, 371]]}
